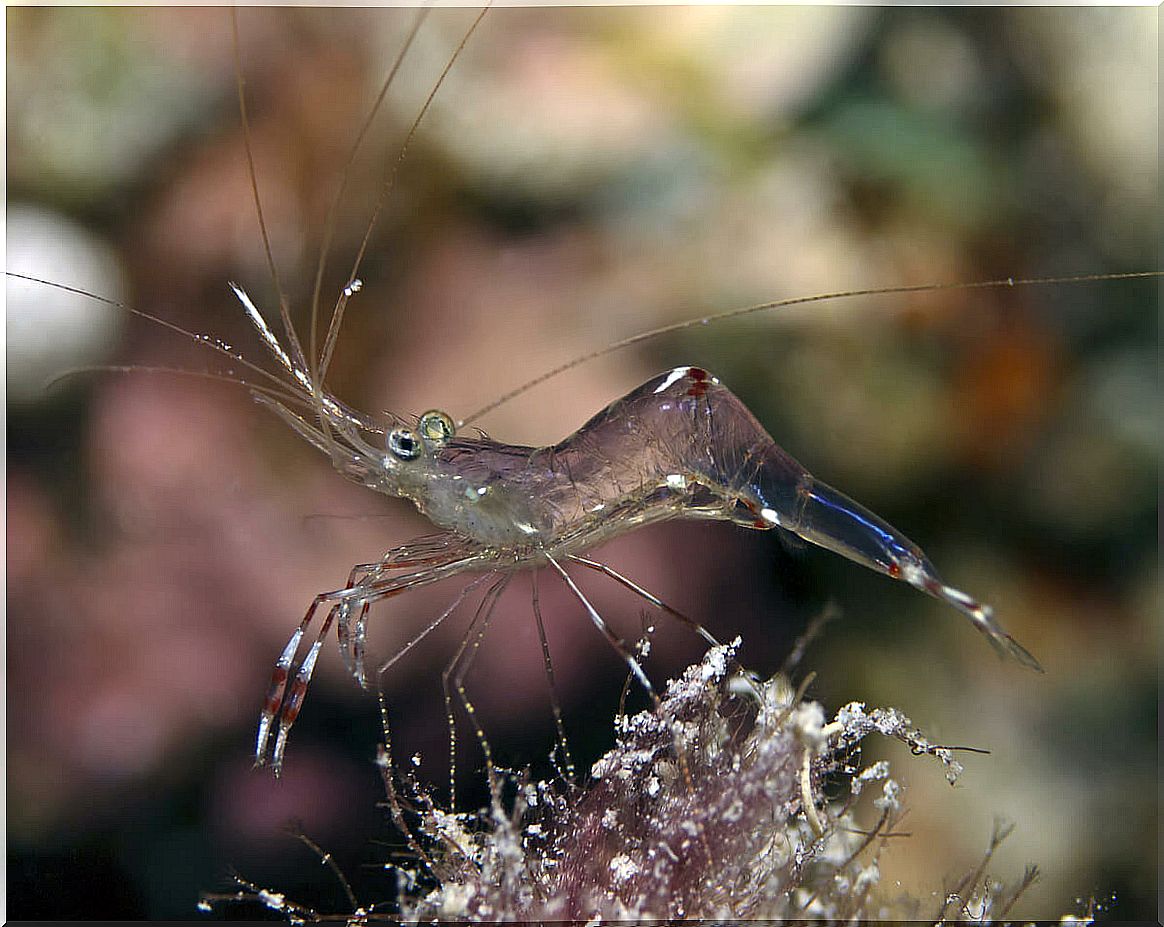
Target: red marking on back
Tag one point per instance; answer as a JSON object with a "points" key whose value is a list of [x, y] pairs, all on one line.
{"points": [[894, 570], [755, 510], [699, 378]]}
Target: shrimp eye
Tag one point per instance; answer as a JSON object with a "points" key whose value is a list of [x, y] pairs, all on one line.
{"points": [[404, 443], [436, 427]]}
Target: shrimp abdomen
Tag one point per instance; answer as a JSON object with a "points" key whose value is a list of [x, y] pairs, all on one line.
{"points": [[771, 490]]}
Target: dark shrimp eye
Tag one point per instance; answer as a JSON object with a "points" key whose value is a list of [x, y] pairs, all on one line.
{"points": [[436, 427], [404, 443]]}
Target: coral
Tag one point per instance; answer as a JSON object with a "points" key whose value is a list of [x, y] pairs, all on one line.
{"points": [[709, 806]]}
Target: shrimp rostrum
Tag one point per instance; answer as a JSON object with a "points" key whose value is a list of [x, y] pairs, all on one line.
{"points": [[682, 445]]}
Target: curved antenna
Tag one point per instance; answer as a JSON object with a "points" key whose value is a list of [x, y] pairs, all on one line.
{"points": [[345, 175], [385, 193], [177, 372], [779, 304], [289, 391], [202, 340]]}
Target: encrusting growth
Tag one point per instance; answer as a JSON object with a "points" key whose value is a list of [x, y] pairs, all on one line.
{"points": [[749, 835]]}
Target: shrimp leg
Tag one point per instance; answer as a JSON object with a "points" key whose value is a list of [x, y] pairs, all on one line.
{"points": [[352, 649], [279, 677], [424, 551], [293, 701], [432, 625], [456, 675], [555, 704], [282, 671], [285, 702], [613, 639], [637, 671], [634, 587]]}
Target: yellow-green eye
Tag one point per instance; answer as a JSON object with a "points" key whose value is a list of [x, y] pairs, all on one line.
{"points": [[436, 427], [404, 443]]}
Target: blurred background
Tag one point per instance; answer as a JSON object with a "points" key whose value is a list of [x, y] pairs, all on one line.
{"points": [[583, 175]]}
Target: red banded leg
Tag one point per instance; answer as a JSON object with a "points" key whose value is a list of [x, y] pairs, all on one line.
{"points": [[293, 702], [279, 677], [285, 703], [282, 671]]}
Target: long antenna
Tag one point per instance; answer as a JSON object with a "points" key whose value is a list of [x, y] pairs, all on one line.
{"points": [[333, 208], [385, 192], [284, 309], [289, 391], [206, 342], [781, 303]]}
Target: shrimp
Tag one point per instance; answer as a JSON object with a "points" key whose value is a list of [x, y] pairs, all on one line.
{"points": [[682, 445]]}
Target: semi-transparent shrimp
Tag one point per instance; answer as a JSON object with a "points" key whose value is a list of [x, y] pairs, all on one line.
{"points": [[682, 445]]}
